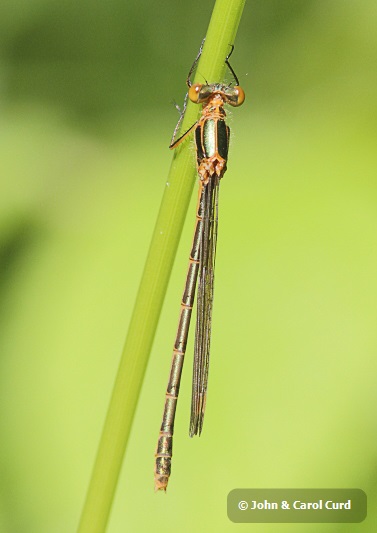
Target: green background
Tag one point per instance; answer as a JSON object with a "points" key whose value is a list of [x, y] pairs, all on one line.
{"points": [[85, 121]]}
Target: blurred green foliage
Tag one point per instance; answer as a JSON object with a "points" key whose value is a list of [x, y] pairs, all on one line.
{"points": [[85, 120]]}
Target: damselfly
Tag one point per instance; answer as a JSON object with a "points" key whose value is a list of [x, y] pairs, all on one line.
{"points": [[212, 143]]}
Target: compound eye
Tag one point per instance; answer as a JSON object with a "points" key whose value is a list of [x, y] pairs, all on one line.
{"points": [[194, 92], [240, 95]]}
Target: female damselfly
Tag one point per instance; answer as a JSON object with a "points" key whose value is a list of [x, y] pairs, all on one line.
{"points": [[212, 143]]}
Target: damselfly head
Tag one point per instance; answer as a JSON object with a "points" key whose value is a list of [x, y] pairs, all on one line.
{"points": [[200, 94]]}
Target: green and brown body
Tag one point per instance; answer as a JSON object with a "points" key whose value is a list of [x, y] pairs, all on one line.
{"points": [[212, 144]]}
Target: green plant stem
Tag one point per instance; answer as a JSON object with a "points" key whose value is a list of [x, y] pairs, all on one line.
{"points": [[221, 33]]}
